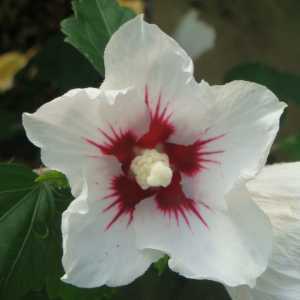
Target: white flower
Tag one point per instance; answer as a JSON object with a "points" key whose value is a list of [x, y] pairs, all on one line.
{"points": [[195, 35], [277, 191], [153, 157]]}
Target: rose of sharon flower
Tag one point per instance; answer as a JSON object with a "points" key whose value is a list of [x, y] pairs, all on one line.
{"points": [[277, 191], [156, 160]]}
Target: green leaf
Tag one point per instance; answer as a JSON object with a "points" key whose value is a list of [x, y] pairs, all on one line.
{"points": [[65, 70], [30, 230], [55, 177], [161, 265], [92, 25], [59, 290], [284, 85], [171, 286]]}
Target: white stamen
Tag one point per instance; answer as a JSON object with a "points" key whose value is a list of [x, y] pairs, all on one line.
{"points": [[160, 175], [152, 169]]}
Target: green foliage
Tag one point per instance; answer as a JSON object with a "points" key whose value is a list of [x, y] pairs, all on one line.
{"points": [[161, 265], [30, 230], [92, 25], [65, 70], [54, 177], [56, 289], [170, 286], [284, 85], [31, 242]]}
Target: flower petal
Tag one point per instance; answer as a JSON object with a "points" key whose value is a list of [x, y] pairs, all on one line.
{"points": [[195, 35], [271, 285], [140, 52], [241, 126], [276, 190], [93, 254], [69, 128], [220, 251], [276, 182], [248, 115]]}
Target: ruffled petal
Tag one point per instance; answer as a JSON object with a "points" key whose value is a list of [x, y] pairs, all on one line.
{"points": [[248, 115], [276, 190], [139, 53], [94, 254], [240, 128], [276, 182], [269, 286], [84, 123], [232, 248]]}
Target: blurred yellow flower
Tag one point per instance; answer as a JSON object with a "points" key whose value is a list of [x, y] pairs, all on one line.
{"points": [[10, 64], [136, 5]]}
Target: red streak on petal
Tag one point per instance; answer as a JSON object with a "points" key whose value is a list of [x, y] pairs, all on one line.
{"points": [[125, 194], [191, 159], [173, 202], [120, 145], [160, 127]]}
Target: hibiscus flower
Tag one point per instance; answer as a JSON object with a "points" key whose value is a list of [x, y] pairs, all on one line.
{"points": [[277, 191], [158, 165]]}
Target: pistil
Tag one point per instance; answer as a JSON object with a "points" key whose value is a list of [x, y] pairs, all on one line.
{"points": [[152, 169]]}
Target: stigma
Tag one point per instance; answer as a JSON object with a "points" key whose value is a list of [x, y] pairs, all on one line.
{"points": [[151, 169]]}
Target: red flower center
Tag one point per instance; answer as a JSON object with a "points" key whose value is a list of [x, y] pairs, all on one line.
{"points": [[125, 193]]}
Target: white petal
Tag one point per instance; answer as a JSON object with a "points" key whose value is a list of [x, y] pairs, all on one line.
{"points": [[276, 182], [276, 190], [234, 249], [242, 293], [269, 286], [94, 255], [247, 115], [195, 35], [139, 52], [62, 126]]}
